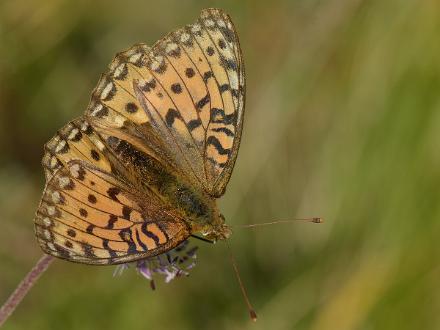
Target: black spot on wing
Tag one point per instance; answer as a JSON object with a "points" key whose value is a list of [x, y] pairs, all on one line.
{"points": [[111, 221], [131, 107], [193, 124], [125, 234], [210, 51], [148, 86], [218, 116], [92, 199], [95, 155], [81, 174], [225, 130], [229, 35], [142, 245], [83, 213], [203, 101], [171, 115], [112, 192], [221, 44], [213, 161], [71, 232], [86, 128], [110, 250], [207, 75], [88, 251], [176, 88], [212, 140], [175, 53], [223, 88], [90, 229], [149, 233], [189, 72], [228, 64], [126, 211]]}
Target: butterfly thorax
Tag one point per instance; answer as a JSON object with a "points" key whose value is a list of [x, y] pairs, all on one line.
{"points": [[195, 206], [202, 214]]}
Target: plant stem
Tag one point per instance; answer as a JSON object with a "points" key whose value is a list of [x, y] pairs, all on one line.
{"points": [[22, 289]]}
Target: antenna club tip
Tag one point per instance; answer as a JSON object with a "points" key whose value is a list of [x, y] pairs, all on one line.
{"points": [[253, 315], [318, 220]]}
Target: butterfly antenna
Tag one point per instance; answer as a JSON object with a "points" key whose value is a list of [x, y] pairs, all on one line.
{"points": [[314, 220], [252, 313]]}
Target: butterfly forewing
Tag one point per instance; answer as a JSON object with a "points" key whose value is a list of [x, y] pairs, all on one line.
{"points": [[198, 106], [113, 101]]}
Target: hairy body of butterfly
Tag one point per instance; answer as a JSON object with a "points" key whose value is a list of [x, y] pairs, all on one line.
{"points": [[140, 172]]}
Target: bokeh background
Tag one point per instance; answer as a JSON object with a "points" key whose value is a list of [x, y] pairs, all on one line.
{"points": [[342, 121]]}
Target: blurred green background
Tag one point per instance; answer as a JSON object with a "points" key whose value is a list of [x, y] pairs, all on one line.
{"points": [[342, 121]]}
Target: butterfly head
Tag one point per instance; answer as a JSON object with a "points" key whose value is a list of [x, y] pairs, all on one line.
{"points": [[218, 231]]}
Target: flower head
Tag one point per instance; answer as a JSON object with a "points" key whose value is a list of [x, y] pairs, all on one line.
{"points": [[172, 264]]}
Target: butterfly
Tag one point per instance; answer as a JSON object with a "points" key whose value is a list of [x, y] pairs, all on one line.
{"points": [[141, 170]]}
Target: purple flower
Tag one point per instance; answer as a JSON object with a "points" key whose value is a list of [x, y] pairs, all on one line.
{"points": [[172, 264]]}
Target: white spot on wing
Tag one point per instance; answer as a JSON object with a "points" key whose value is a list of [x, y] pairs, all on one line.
{"points": [[100, 145], [50, 209], [74, 170], [63, 181], [185, 37], [119, 70], [134, 58], [96, 110], [60, 146], [47, 234], [233, 80], [119, 121], [84, 126], [53, 162], [73, 133], [171, 47], [56, 197], [107, 89], [47, 222], [209, 23], [195, 28], [158, 61]]}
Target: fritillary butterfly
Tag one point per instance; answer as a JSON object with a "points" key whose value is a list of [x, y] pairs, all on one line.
{"points": [[141, 170]]}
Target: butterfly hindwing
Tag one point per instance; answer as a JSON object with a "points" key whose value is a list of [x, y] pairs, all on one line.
{"points": [[87, 215]]}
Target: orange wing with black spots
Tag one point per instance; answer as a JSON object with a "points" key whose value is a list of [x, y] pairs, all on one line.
{"points": [[189, 88], [197, 101], [89, 216]]}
